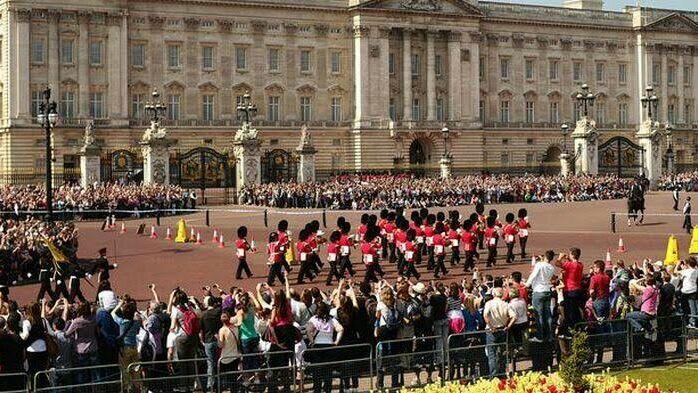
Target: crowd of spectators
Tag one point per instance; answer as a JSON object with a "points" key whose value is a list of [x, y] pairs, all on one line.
{"points": [[103, 196], [241, 329], [684, 181], [363, 192]]}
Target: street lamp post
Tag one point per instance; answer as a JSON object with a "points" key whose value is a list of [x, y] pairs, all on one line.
{"points": [[247, 108], [565, 131], [585, 100], [445, 132], [47, 117], [155, 109], [650, 102]]}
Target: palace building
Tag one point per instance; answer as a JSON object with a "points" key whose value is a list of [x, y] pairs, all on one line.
{"points": [[374, 81]]}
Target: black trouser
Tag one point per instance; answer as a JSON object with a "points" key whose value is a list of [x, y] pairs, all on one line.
{"points": [[384, 248], [411, 271], [60, 291], [379, 269], [315, 263], [334, 272], [469, 261], [687, 225], [275, 273], [440, 266], [522, 244], [510, 252], [400, 262], [45, 288], [481, 241], [491, 255], [345, 266], [676, 204], [305, 270], [430, 254], [243, 266], [418, 254], [455, 255], [393, 257], [371, 273], [75, 291]]}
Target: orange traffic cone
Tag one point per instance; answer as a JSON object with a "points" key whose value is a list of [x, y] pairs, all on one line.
{"points": [[198, 238], [215, 236], [153, 233], [608, 261], [123, 228], [221, 243], [192, 235], [621, 246], [169, 233]]}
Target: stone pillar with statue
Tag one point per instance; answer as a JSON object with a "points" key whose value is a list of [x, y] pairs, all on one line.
{"points": [[89, 158], [585, 136], [155, 145], [246, 146], [650, 135], [306, 152], [446, 161]]}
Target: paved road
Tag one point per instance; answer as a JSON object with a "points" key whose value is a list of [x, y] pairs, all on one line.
{"points": [[558, 226]]}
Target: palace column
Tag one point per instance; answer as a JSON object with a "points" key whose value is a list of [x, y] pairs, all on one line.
{"points": [[19, 75], [53, 53], [454, 76], [83, 65], [362, 78], [431, 76], [406, 75]]}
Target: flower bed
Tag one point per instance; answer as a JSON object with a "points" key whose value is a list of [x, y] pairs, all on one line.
{"points": [[539, 383]]}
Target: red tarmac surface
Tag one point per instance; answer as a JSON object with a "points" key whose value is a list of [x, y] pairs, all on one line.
{"points": [[555, 226]]}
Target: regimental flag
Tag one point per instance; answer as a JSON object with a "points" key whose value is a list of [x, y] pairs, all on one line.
{"points": [[58, 256]]}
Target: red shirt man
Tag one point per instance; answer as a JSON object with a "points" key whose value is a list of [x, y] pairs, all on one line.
{"points": [[369, 254], [345, 245], [524, 226], [333, 252], [439, 244], [468, 240], [491, 237], [509, 233], [241, 247], [572, 272], [599, 285]]}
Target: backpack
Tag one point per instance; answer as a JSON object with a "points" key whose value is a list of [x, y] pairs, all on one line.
{"points": [[190, 322], [392, 320]]}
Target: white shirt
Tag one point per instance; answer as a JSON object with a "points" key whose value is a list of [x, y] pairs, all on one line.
{"points": [[498, 313], [688, 279], [107, 300], [518, 306], [539, 280]]}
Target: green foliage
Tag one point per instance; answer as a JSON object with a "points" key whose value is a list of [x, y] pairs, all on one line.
{"points": [[572, 366]]}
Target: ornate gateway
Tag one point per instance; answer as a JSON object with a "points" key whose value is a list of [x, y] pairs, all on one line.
{"points": [[120, 164], [621, 156], [278, 166], [202, 168]]}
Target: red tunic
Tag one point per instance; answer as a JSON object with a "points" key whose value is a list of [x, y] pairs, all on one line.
{"points": [[491, 237], [439, 245], [410, 249], [345, 245], [241, 247], [510, 232], [468, 240], [369, 254], [333, 252], [524, 226]]}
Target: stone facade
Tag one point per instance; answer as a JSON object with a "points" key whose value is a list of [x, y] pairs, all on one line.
{"points": [[374, 80]]}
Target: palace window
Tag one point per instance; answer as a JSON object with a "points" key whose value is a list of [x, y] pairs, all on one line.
{"points": [[137, 101], [306, 108], [530, 111], [622, 74], [600, 72], [207, 57], [392, 111], [481, 68], [416, 115], [554, 112], [240, 58], [416, 65], [305, 60], [688, 111], [554, 69], [481, 110], [336, 62], [38, 51], [600, 113], [37, 99], [671, 75], [438, 65], [138, 55], [207, 107], [671, 113], [67, 51], [97, 105], [336, 109], [504, 111], [174, 56], [440, 110], [273, 108], [67, 104], [504, 67], [623, 114], [174, 106], [529, 69], [391, 64], [96, 53], [688, 75], [273, 59], [656, 73], [577, 71]]}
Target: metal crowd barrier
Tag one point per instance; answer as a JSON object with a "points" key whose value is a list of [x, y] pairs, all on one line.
{"points": [[14, 383], [94, 379], [466, 356], [351, 366], [257, 372], [166, 376], [417, 355], [609, 341], [666, 341]]}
